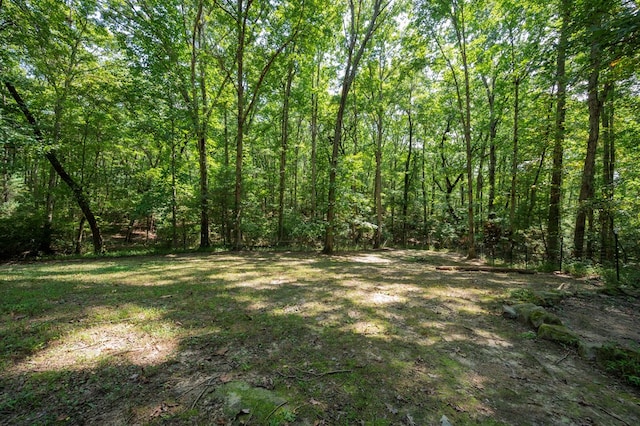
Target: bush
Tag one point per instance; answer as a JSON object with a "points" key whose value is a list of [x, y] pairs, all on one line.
{"points": [[20, 236]]}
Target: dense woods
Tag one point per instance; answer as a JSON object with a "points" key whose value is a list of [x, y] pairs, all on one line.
{"points": [[504, 129]]}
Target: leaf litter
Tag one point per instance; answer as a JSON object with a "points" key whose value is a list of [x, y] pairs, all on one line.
{"points": [[357, 338]]}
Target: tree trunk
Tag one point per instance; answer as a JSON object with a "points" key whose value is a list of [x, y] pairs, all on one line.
{"points": [[407, 182], [608, 163], [50, 155], [314, 141], [423, 187], [493, 130], [204, 193], [47, 229], [226, 223], [174, 189], [553, 224], [284, 139], [353, 61], [80, 235], [514, 166], [459, 25], [240, 82], [588, 173], [377, 193]]}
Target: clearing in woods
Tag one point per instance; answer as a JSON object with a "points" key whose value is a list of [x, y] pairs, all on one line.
{"points": [[374, 338]]}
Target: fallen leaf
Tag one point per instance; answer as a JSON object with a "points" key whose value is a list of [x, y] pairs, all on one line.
{"points": [[222, 351], [226, 377]]}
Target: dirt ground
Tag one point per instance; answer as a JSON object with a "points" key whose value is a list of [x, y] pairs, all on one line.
{"points": [[375, 338]]}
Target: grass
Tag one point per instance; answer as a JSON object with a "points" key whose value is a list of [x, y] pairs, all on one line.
{"points": [[364, 338]]}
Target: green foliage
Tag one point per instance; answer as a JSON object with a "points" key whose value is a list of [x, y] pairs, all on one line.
{"points": [[123, 91], [621, 361], [21, 233]]}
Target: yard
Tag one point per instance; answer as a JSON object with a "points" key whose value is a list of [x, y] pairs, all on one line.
{"points": [[376, 338]]}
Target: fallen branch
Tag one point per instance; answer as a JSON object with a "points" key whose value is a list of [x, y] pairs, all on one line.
{"points": [[615, 416], [206, 388], [312, 373], [485, 269], [266, 420], [563, 358]]}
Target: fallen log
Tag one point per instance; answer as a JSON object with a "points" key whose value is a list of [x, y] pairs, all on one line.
{"points": [[465, 268]]}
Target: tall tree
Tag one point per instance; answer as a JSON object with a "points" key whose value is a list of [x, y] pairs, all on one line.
{"points": [[555, 196], [594, 20], [173, 40], [255, 24], [50, 154], [361, 26], [55, 41]]}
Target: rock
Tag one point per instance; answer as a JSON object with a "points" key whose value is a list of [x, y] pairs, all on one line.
{"points": [[549, 298], [588, 350], [558, 333], [541, 316], [240, 398], [444, 421], [534, 315], [509, 312]]}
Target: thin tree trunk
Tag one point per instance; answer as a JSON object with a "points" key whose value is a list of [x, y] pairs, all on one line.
{"points": [[174, 189], [423, 185], [284, 139], [493, 130], [47, 231], [240, 82], [407, 182], [608, 162], [553, 225], [80, 235], [226, 225], [588, 173], [514, 165], [465, 118], [314, 139], [353, 61], [377, 193]]}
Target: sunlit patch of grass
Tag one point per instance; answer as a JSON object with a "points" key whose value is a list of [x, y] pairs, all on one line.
{"points": [[92, 346], [363, 338]]}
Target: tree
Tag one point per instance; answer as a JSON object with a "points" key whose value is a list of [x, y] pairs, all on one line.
{"points": [[173, 41], [354, 50], [55, 41]]}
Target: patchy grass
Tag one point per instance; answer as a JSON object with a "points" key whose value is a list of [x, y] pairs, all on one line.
{"points": [[373, 338]]}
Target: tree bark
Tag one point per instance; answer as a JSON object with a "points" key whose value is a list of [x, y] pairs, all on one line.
{"points": [[608, 168], [314, 141], [588, 172], [514, 161], [284, 139], [377, 192], [242, 16], [407, 182], [464, 107], [553, 224], [493, 131]]}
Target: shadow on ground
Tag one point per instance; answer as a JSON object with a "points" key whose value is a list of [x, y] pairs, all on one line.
{"points": [[362, 338]]}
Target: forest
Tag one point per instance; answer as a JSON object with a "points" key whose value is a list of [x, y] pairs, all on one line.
{"points": [[500, 128]]}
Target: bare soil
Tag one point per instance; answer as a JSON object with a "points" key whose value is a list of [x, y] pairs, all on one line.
{"points": [[380, 338]]}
